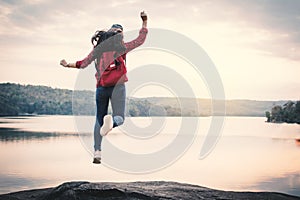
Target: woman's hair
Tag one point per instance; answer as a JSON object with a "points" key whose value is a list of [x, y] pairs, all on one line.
{"points": [[113, 40], [96, 38], [104, 41]]}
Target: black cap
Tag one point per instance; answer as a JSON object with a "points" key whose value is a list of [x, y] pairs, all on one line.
{"points": [[117, 26]]}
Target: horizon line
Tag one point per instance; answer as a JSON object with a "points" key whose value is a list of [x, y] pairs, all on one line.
{"points": [[229, 99]]}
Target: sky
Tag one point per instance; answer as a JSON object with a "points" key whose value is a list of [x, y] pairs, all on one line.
{"points": [[254, 44]]}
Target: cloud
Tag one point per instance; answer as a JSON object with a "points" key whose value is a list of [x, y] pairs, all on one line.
{"points": [[278, 19], [33, 32], [272, 26], [269, 26]]}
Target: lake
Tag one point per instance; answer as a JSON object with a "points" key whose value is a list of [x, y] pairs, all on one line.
{"points": [[250, 155]]}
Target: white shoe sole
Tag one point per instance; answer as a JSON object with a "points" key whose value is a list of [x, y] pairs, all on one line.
{"points": [[107, 125]]}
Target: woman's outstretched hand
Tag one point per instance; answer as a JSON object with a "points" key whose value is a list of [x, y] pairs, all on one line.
{"points": [[64, 63], [144, 16]]}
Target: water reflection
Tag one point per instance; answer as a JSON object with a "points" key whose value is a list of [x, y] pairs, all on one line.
{"points": [[297, 141], [290, 183], [18, 117], [18, 182], [13, 134], [251, 155]]}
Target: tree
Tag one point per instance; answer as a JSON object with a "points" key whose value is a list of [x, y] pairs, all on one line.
{"points": [[276, 114], [289, 113], [268, 116], [297, 112]]}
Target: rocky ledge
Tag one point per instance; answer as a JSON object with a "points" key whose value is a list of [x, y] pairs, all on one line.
{"points": [[137, 190]]}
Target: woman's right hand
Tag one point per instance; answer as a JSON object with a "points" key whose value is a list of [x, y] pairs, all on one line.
{"points": [[64, 63]]}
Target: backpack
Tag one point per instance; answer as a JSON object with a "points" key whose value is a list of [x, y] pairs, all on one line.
{"points": [[115, 72]]}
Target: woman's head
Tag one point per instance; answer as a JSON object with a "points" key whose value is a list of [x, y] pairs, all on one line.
{"points": [[113, 38], [117, 27], [100, 36]]}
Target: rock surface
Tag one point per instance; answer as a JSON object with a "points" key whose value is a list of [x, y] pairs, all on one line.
{"points": [[159, 190]]}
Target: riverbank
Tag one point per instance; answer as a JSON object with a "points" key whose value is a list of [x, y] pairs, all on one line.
{"points": [[138, 190]]}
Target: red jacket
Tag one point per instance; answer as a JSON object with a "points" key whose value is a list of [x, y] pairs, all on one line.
{"points": [[108, 57]]}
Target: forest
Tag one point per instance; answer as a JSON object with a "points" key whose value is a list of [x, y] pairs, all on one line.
{"points": [[289, 113], [17, 99]]}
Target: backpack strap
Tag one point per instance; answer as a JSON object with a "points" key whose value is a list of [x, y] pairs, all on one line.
{"points": [[124, 58]]}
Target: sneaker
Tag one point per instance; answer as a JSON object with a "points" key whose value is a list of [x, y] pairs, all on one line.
{"points": [[97, 157], [107, 125]]}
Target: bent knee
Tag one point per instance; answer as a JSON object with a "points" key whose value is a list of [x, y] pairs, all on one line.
{"points": [[118, 120]]}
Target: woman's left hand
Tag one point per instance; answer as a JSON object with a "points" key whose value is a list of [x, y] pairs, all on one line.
{"points": [[144, 16]]}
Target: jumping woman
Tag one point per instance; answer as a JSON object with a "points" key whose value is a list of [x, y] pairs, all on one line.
{"points": [[109, 54]]}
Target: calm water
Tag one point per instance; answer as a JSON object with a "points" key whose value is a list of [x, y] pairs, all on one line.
{"points": [[251, 155]]}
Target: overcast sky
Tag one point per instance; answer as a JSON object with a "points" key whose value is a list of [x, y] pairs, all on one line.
{"points": [[255, 44]]}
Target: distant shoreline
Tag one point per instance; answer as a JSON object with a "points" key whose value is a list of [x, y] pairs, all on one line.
{"points": [[28, 100], [45, 115]]}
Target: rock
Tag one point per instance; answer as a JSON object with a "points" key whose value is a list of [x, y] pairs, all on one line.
{"points": [[159, 190]]}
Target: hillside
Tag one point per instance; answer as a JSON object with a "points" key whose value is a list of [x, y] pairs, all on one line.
{"points": [[16, 99]]}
